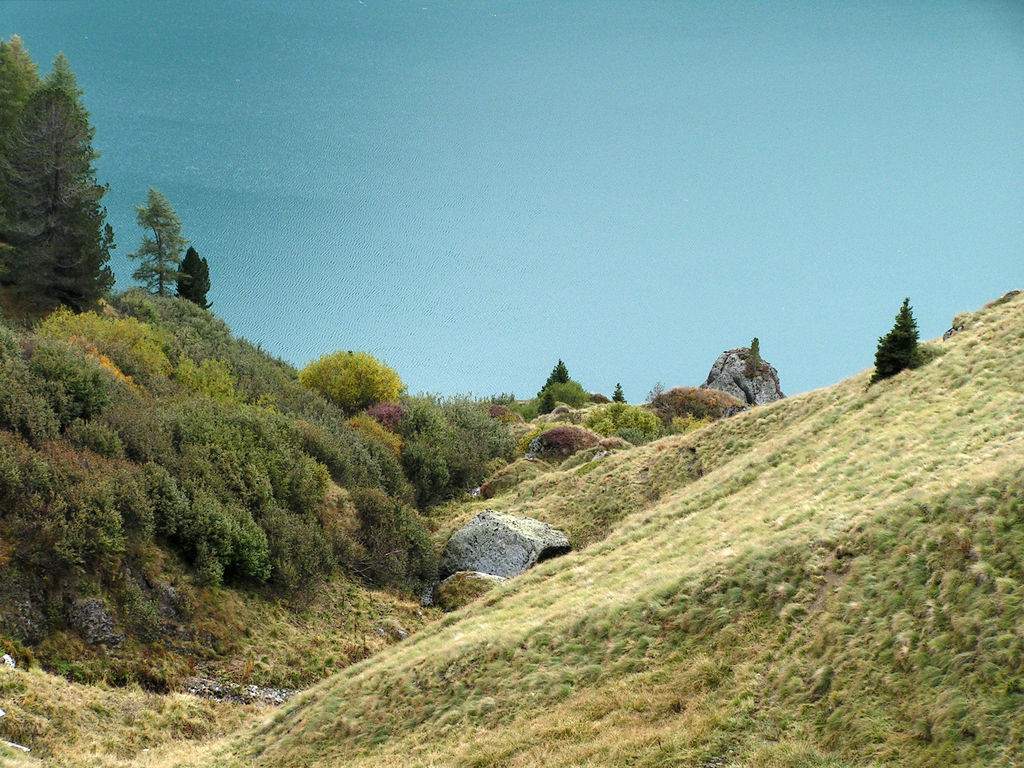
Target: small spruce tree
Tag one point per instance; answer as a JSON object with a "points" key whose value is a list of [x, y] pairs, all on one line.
{"points": [[618, 397], [898, 349], [194, 278], [753, 358]]}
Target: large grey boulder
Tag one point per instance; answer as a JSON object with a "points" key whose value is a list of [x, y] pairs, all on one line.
{"points": [[731, 374], [501, 545]]}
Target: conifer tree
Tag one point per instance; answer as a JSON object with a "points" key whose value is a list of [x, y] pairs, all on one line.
{"points": [[547, 401], [53, 218], [194, 280], [618, 396], [898, 349], [160, 252], [19, 77], [559, 375], [753, 359]]}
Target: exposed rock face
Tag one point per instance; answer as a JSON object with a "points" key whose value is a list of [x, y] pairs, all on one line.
{"points": [[90, 617], [730, 374], [501, 545]]}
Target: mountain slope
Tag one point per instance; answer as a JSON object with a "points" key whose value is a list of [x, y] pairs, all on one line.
{"points": [[834, 579]]}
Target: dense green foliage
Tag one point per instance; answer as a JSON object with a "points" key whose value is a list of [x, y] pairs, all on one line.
{"points": [[353, 381], [145, 431], [630, 422], [56, 243], [194, 278], [450, 445], [898, 349]]}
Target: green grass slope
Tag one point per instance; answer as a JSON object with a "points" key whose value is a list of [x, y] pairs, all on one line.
{"points": [[834, 579]]}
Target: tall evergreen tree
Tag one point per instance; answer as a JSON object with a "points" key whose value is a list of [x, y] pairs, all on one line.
{"points": [[558, 375], [618, 396], [53, 217], [160, 252], [898, 349], [194, 280], [19, 77]]}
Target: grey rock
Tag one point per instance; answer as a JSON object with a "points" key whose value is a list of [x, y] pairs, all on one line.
{"points": [[952, 332], [8, 660], [89, 616], [501, 545], [238, 694], [729, 374]]}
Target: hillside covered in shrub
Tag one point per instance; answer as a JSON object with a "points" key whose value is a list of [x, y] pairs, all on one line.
{"points": [[148, 457]]}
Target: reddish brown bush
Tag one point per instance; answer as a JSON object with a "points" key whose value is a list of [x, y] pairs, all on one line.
{"points": [[388, 415], [562, 441], [690, 401]]}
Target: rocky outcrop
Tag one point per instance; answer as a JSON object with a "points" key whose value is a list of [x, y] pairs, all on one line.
{"points": [[89, 616], [501, 545], [754, 385], [238, 694]]}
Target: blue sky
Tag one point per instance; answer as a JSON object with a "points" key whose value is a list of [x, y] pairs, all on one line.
{"points": [[473, 190]]}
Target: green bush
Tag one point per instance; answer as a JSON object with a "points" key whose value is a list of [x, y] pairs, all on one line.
{"points": [[76, 386], [449, 445], [299, 552], [571, 393], [396, 541], [23, 408], [95, 437], [611, 419]]}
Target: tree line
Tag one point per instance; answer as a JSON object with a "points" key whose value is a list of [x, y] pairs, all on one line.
{"points": [[55, 242]]}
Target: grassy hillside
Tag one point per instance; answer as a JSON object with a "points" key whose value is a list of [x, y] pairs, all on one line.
{"points": [[834, 579]]}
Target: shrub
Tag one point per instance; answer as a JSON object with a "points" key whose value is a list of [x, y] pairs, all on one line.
{"points": [[9, 347], [707, 404], [562, 441], [388, 415], [211, 377], [76, 387], [571, 393], [299, 553], [395, 539], [374, 430], [450, 445], [135, 348], [610, 419], [352, 380], [23, 409], [95, 437]]}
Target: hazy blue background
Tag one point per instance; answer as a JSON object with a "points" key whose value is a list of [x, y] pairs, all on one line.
{"points": [[471, 190]]}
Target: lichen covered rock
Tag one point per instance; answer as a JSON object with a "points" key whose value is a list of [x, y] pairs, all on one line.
{"points": [[501, 545], [754, 385]]}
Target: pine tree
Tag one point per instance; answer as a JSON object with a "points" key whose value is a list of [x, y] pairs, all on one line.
{"points": [[160, 253], [19, 77], [559, 375], [753, 359], [898, 349], [53, 217], [194, 280], [618, 397]]}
